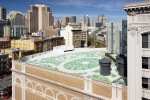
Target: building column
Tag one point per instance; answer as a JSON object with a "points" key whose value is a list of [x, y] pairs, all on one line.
{"points": [[112, 38], [114, 92], [13, 86], [23, 87], [119, 92], [88, 85]]}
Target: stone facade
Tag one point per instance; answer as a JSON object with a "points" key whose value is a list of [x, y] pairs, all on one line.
{"points": [[138, 25]]}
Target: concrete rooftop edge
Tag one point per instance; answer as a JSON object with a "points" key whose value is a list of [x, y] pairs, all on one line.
{"points": [[137, 4]]}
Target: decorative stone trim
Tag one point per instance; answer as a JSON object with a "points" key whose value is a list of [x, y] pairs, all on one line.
{"points": [[135, 11], [132, 31]]}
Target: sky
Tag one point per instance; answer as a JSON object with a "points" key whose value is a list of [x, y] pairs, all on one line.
{"points": [[112, 9]]}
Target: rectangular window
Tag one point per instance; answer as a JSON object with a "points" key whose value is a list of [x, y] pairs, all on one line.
{"points": [[145, 99], [145, 62], [145, 83], [145, 41]]}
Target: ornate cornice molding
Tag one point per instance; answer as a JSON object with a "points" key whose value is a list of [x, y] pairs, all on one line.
{"points": [[135, 11]]}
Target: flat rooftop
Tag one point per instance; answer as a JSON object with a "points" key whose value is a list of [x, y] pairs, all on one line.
{"points": [[83, 62]]}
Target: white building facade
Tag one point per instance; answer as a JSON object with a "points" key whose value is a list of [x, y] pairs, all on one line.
{"points": [[138, 50]]}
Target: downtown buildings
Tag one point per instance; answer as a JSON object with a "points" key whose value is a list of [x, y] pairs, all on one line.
{"points": [[39, 17]]}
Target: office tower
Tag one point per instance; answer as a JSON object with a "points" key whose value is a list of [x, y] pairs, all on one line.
{"points": [[92, 23], [2, 24], [80, 20], [16, 18], [87, 20], [73, 19], [39, 17], [103, 20], [2, 13], [57, 23], [65, 20], [138, 17]]}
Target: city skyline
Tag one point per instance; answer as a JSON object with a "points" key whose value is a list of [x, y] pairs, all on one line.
{"points": [[113, 10]]}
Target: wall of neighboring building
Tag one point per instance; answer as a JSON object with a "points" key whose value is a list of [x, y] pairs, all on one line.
{"points": [[117, 28], [23, 45], [52, 84], [117, 37], [77, 38]]}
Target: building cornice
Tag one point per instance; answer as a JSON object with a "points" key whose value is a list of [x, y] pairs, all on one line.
{"points": [[135, 8]]}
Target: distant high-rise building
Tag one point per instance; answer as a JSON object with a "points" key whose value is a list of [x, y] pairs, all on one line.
{"points": [[80, 20], [39, 17], [2, 24], [100, 18], [57, 23], [103, 20], [65, 20], [87, 20], [2, 13], [16, 18], [73, 19], [92, 23]]}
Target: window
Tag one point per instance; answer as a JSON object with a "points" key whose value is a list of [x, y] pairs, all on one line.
{"points": [[145, 41], [145, 62], [145, 99], [146, 83]]}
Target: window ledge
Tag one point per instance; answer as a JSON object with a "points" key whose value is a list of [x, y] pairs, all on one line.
{"points": [[145, 49]]}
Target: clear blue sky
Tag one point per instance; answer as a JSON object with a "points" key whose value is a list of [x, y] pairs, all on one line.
{"points": [[113, 9]]}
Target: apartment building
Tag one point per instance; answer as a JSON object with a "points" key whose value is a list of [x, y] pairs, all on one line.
{"points": [[73, 35], [31, 44], [138, 50], [51, 42], [3, 62], [84, 38], [16, 53], [5, 44]]}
